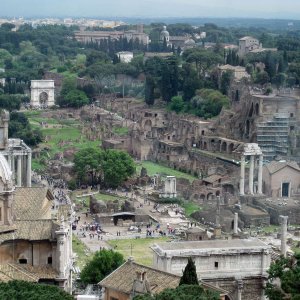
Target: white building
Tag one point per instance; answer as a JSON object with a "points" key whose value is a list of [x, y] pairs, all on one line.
{"points": [[239, 266], [248, 44], [237, 71], [42, 93], [125, 56]]}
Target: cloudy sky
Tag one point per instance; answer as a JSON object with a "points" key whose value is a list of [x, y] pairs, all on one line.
{"points": [[152, 8]]}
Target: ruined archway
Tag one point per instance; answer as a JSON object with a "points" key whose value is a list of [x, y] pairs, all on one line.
{"points": [[43, 98], [257, 109], [247, 132], [148, 125], [210, 196], [224, 147], [251, 110], [204, 146], [228, 188], [230, 148]]}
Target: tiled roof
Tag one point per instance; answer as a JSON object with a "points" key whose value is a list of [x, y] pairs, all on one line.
{"points": [[276, 166], [29, 230], [32, 203], [212, 178], [25, 272], [122, 279]]}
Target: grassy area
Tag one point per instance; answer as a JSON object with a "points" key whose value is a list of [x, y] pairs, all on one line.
{"points": [[83, 253], [120, 130], [270, 229], [138, 248], [190, 208], [153, 168], [60, 135]]}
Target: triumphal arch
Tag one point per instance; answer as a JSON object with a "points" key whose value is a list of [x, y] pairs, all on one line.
{"points": [[42, 93]]}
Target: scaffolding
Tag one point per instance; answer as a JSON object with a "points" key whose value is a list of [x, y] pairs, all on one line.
{"points": [[273, 136]]}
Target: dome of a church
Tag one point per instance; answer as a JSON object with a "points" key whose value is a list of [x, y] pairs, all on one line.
{"points": [[6, 182], [164, 33]]}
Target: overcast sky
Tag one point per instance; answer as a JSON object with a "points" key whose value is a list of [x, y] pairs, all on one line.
{"points": [[152, 8]]}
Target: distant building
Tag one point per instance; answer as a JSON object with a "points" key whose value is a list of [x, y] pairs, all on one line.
{"points": [[281, 179], [125, 56], [249, 44], [97, 36], [184, 42], [237, 71]]}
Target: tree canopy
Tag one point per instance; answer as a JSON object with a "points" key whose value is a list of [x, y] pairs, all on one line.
{"points": [[102, 264], [19, 127], [284, 279], [107, 167], [182, 292], [189, 275], [15, 289]]}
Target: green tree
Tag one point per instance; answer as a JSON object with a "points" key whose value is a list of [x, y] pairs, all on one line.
{"points": [[203, 60], [109, 167], [226, 80], [75, 98], [177, 104], [19, 127], [87, 164], [284, 279], [279, 80], [189, 275], [149, 90], [262, 78], [102, 264], [182, 292], [16, 289], [117, 167]]}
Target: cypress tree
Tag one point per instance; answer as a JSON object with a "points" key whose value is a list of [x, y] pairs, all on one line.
{"points": [[189, 275]]}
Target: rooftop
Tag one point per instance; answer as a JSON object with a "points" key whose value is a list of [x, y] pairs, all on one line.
{"points": [[157, 279], [32, 203], [276, 166], [211, 246], [26, 272]]}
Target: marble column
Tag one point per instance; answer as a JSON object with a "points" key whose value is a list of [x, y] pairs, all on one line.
{"points": [[9, 160], [28, 178], [283, 234], [260, 169], [13, 167], [235, 223], [251, 174], [19, 171], [240, 288], [242, 179]]}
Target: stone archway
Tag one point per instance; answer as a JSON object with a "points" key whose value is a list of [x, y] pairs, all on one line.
{"points": [[230, 148], [42, 93], [210, 196], [43, 99], [148, 125], [224, 147], [257, 109]]}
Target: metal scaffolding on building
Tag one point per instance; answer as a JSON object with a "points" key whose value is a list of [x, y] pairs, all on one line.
{"points": [[273, 136]]}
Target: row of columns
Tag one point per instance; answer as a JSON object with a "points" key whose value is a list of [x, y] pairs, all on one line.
{"points": [[251, 174], [17, 173]]}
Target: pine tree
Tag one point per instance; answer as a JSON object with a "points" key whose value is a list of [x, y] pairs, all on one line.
{"points": [[189, 275], [149, 90]]}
